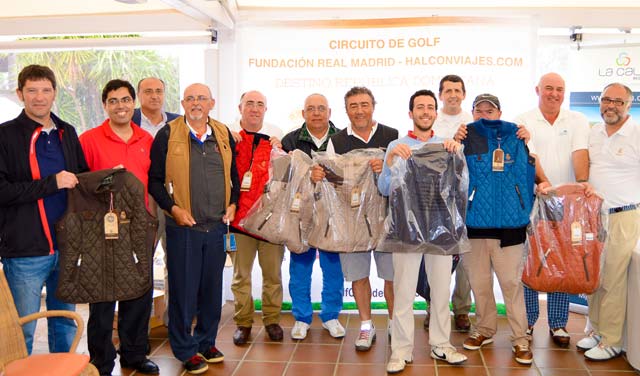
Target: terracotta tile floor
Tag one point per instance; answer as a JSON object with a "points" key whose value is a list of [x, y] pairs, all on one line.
{"points": [[319, 354]]}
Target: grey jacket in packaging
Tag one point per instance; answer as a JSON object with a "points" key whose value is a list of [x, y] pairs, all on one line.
{"points": [[283, 213], [348, 210]]}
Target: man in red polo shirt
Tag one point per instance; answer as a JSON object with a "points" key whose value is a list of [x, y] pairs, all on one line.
{"points": [[118, 142]]}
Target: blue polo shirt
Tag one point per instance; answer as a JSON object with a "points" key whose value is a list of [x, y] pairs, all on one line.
{"points": [[51, 161]]}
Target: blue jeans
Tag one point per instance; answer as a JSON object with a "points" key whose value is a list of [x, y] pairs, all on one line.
{"points": [[195, 262], [300, 269], [26, 276]]}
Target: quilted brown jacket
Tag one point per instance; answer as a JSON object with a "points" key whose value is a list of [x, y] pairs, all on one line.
{"points": [[94, 269]]}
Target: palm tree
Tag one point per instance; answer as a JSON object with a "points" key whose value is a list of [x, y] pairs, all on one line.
{"points": [[81, 75]]}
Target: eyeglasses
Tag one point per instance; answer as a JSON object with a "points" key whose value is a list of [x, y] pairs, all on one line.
{"points": [[607, 101], [151, 91], [320, 109], [199, 98], [115, 101]]}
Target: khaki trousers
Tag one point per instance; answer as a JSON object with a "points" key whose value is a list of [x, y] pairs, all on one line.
{"points": [[270, 259], [461, 298], [487, 257], [608, 305]]}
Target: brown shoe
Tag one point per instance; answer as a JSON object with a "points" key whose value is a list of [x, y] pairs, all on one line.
{"points": [[462, 323], [425, 325], [522, 354], [274, 331], [476, 341], [560, 337], [241, 335]]}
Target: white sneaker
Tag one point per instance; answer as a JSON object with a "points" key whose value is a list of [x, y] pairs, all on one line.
{"points": [[336, 330], [448, 354], [602, 352], [365, 339], [587, 343], [299, 330], [396, 365]]}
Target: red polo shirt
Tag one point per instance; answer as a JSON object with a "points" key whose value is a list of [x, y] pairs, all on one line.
{"points": [[104, 149]]}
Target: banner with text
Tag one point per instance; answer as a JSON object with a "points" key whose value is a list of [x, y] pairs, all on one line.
{"points": [[289, 64]]}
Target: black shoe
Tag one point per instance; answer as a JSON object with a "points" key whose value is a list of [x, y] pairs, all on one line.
{"points": [[275, 332], [145, 366], [241, 335], [195, 365], [213, 355]]}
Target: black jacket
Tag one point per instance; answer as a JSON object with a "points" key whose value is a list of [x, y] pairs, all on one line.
{"points": [[427, 210], [21, 230], [301, 139]]}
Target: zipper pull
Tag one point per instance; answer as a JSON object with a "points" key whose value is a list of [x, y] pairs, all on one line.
{"points": [[473, 193]]}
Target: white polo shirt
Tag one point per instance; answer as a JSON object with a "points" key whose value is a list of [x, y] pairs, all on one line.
{"points": [[446, 125], [615, 163], [554, 144]]}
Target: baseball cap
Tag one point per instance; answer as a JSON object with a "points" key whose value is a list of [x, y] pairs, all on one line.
{"points": [[489, 98]]}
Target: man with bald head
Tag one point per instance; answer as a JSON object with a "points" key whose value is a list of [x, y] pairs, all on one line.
{"points": [[193, 177], [560, 137], [253, 155], [314, 135], [151, 115]]}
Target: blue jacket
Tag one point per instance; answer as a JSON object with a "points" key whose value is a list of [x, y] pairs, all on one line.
{"points": [[498, 199]]}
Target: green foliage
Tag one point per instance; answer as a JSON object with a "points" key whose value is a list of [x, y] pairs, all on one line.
{"points": [[81, 75]]}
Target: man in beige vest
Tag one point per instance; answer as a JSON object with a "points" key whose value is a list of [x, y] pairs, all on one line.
{"points": [[193, 178]]}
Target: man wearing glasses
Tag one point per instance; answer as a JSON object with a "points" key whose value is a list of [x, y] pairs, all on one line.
{"points": [[314, 135], [119, 142], [614, 173], [193, 178]]}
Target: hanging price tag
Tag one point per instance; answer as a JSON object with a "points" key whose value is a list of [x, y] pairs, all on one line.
{"points": [[498, 160], [355, 197], [111, 222], [246, 181], [295, 205]]}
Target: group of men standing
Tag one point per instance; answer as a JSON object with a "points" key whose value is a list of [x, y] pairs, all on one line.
{"points": [[202, 178]]}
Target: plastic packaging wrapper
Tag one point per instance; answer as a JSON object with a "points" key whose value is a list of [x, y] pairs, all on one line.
{"points": [[427, 203], [283, 213], [565, 241], [348, 210]]}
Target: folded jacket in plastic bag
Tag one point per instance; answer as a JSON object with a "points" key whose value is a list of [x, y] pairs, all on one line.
{"points": [[348, 210], [565, 241], [282, 215], [427, 202]]}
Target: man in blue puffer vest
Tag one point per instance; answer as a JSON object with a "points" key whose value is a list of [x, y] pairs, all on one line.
{"points": [[501, 187]]}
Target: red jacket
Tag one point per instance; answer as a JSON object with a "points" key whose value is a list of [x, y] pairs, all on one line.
{"points": [[256, 148], [566, 241]]}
